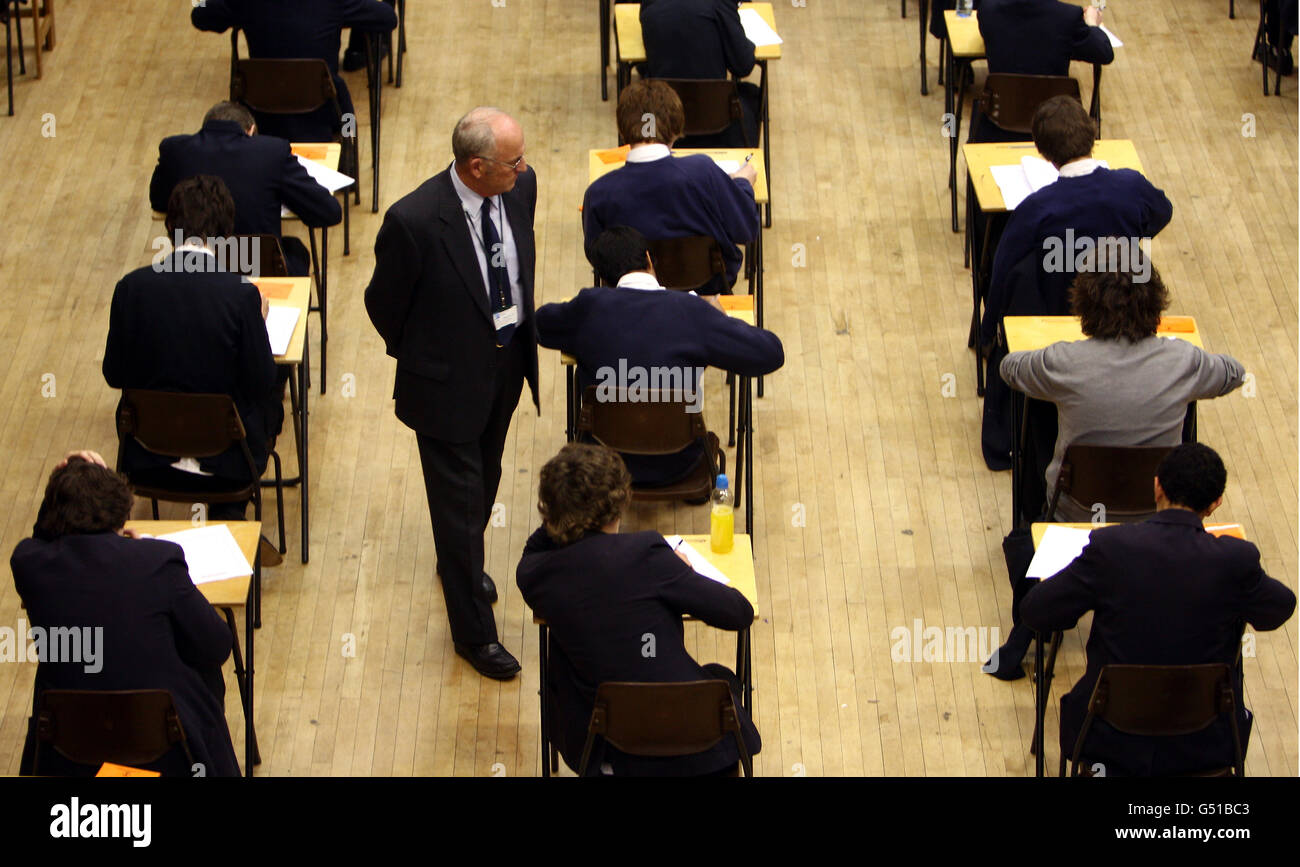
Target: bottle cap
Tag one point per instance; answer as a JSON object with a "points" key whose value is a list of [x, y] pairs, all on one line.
{"points": [[721, 483]]}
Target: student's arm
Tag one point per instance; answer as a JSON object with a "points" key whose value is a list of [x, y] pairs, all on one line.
{"points": [[1266, 602], [369, 15], [257, 364], [687, 592], [119, 337], [1057, 603], [558, 324], [1214, 375], [1157, 210], [203, 639], [736, 47], [735, 198], [1038, 372], [1089, 44], [214, 16], [300, 193], [592, 221], [160, 185], [735, 346], [392, 285], [1017, 242]]}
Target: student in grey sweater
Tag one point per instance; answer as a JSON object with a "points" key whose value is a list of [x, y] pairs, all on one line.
{"points": [[1122, 386]]}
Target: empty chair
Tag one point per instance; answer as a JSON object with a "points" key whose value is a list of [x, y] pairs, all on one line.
{"points": [[135, 727]]}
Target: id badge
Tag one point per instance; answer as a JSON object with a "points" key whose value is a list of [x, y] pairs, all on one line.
{"points": [[503, 318]]}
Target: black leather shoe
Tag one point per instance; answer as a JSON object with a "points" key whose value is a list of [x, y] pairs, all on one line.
{"points": [[1005, 663], [354, 59], [487, 589], [490, 660]]}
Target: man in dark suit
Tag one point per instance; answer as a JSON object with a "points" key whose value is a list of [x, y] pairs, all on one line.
{"points": [[614, 604], [1041, 37], [295, 29], [1164, 592], [260, 171], [638, 325], [183, 324], [703, 39], [452, 297]]}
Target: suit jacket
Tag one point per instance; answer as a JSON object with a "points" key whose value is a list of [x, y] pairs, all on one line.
{"points": [[1117, 203], [428, 302], [196, 332], [1164, 592], [260, 171], [292, 29], [1039, 37], [158, 632], [600, 596], [694, 39], [606, 327], [675, 197]]}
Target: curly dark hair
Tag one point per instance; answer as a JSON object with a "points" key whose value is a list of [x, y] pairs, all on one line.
{"points": [[582, 488], [654, 98], [1193, 475], [82, 498], [1115, 303]]}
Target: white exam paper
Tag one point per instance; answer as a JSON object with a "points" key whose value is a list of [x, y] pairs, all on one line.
{"points": [[698, 563], [1016, 182], [1114, 40], [280, 322], [728, 166], [756, 29], [1058, 549], [211, 553], [323, 175]]}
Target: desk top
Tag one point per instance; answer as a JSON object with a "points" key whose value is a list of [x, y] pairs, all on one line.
{"points": [[233, 592], [1035, 332], [1118, 153], [1216, 527], [964, 34], [631, 49], [602, 161], [289, 292], [326, 152]]}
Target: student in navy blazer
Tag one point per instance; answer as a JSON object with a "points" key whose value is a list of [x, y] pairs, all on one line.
{"points": [[663, 196], [156, 631], [1041, 37], [260, 171], [601, 593], [1163, 592], [295, 29]]}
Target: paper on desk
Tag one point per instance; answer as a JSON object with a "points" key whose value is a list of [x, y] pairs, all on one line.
{"points": [[1114, 40], [280, 322], [1016, 182], [323, 175], [756, 29], [698, 563], [1058, 549], [728, 166], [211, 553]]}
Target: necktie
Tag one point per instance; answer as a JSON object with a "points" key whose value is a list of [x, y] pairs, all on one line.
{"points": [[498, 278]]}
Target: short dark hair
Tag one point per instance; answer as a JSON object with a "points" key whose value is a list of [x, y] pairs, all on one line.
{"points": [[1193, 475], [617, 251], [1062, 130], [582, 489], [230, 111], [1112, 303], [82, 498], [656, 99], [201, 207]]}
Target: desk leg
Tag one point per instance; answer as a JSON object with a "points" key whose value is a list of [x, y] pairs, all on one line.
{"points": [[303, 448], [244, 679], [542, 648], [758, 285], [925, 19], [1094, 109], [744, 669], [1189, 424], [767, 139], [1040, 702], [400, 49], [376, 87], [1018, 430], [748, 466], [324, 302], [570, 403], [604, 49], [731, 410]]}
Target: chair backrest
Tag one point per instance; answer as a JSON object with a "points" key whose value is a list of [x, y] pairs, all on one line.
{"points": [[90, 727], [665, 719], [1118, 477], [710, 105], [270, 260], [178, 424], [642, 422], [296, 86], [1009, 101], [1162, 701], [687, 263]]}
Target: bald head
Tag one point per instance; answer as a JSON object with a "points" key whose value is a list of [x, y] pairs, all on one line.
{"points": [[488, 145]]}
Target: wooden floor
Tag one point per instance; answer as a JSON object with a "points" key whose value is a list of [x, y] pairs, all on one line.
{"points": [[874, 508]]}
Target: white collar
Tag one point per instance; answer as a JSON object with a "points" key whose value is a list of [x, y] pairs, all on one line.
{"points": [[1079, 168], [643, 280], [194, 248], [472, 201], [648, 153]]}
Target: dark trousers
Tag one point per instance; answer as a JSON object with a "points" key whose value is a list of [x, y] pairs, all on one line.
{"points": [[460, 480]]}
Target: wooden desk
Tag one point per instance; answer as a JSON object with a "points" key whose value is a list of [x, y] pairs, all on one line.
{"points": [[631, 49], [241, 592], [1044, 671], [296, 292], [1027, 333], [738, 565], [327, 154]]}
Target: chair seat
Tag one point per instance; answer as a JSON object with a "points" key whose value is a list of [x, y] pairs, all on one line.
{"points": [[164, 482], [697, 485]]}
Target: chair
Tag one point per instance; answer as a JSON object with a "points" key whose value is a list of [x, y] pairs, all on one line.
{"points": [[90, 727], [176, 424], [1119, 477], [665, 719], [710, 106], [1270, 47], [42, 15], [687, 263], [658, 425], [270, 255], [1009, 101], [1162, 701], [9, 53]]}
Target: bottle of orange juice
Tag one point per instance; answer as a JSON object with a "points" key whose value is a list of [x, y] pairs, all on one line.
{"points": [[722, 521]]}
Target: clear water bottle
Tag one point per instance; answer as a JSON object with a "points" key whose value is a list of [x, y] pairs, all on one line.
{"points": [[722, 520], [964, 8]]}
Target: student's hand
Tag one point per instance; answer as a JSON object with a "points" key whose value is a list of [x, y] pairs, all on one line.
{"points": [[1091, 16], [746, 172], [682, 554], [133, 533], [714, 300], [266, 306], [85, 455]]}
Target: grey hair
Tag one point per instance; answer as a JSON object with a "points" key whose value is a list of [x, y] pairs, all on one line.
{"points": [[473, 136]]}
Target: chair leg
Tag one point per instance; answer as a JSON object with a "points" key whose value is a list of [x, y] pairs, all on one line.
{"points": [[36, 31], [9, 63], [18, 26], [155, 509], [279, 497]]}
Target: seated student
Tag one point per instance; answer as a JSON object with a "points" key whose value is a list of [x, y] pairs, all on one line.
{"points": [[182, 325], [291, 29], [1164, 592], [1088, 202], [639, 324], [601, 593], [142, 622], [703, 39], [260, 171], [670, 197], [1122, 386]]}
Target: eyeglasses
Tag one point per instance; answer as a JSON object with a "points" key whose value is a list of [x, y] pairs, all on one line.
{"points": [[514, 164]]}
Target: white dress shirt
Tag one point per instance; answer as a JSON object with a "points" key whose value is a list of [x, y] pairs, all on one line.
{"points": [[1079, 168], [472, 204]]}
